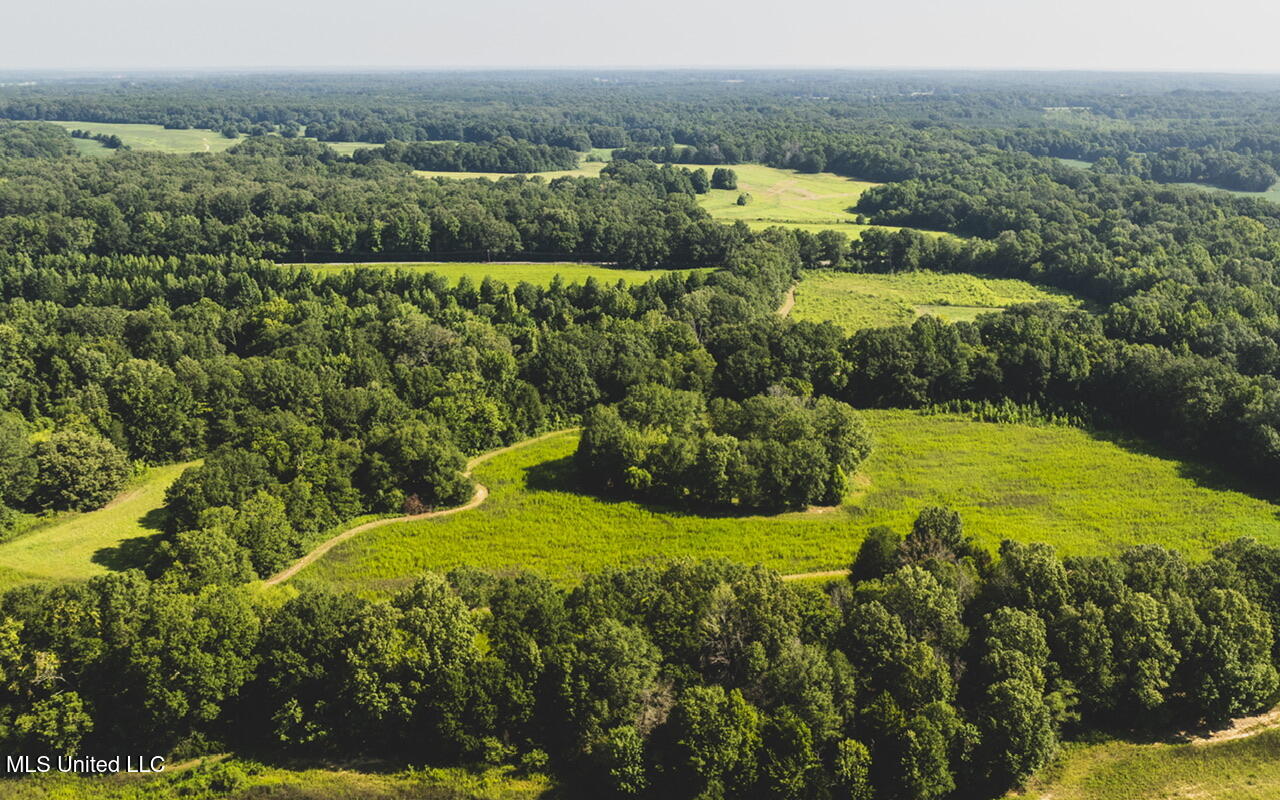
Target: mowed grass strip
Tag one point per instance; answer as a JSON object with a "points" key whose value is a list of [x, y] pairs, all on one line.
{"points": [[511, 274], [80, 546], [1240, 769], [856, 300], [1083, 493], [151, 138]]}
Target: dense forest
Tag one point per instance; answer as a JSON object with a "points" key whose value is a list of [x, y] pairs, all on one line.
{"points": [[146, 319]]}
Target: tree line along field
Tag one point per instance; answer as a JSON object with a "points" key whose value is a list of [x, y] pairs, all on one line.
{"points": [[1054, 484], [510, 273], [862, 300]]}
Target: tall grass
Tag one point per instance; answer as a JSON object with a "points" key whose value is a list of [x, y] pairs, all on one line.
{"points": [[1083, 493]]}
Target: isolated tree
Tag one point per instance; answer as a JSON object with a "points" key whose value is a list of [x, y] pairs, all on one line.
{"points": [[724, 178]]}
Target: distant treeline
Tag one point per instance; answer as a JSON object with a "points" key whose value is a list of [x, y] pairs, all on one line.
{"points": [[501, 155]]}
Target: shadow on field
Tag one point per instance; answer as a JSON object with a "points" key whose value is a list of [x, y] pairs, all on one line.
{"points": [[1202, 474], [136, 552]]}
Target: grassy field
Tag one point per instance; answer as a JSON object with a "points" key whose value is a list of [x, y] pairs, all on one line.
{"points": [[1242, 769], [1272, 194], [784, 195], [151, 138], [1052, 484], [242, 780], [863, 301], [79, 546], [541, 274]]}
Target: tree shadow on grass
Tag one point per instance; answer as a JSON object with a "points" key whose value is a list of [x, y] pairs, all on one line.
{"points": [[1203, 474], [135, 553]]}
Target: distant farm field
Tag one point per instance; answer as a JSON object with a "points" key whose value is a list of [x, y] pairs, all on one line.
{"points": [[857, 300], [1272, 194], [1052, 484], [150, 138], [511, 274], [79, 546], [784, 195], [1240, 769]]}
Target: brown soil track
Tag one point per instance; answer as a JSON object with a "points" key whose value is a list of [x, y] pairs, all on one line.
{"points": [[481, 494], [788, 302]]}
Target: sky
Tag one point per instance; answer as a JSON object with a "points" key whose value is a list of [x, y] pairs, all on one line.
{"points": [[1158, 35]]}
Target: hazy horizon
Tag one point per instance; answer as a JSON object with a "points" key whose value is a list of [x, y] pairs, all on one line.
{"points": [[1232, 36]]}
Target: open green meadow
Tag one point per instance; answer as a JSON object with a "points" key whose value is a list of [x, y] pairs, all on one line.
{"points": [[1083, 493], [1240, 769], [511, 273], [784, 195], [79, 546], [150, 138], [858, 300]]}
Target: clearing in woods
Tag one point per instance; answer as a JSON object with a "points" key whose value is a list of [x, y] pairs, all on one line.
{"points": [[79, 546], [1241, 764], [509, 273], [860, 300], [1081, 492], [150, 138]]}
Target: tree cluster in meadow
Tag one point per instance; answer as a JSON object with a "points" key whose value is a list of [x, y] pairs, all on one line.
{"points": [[935, 671], [773, 451]]}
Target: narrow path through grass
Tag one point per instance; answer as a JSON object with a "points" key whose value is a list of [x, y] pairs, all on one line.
{"points": [[481, 494]]}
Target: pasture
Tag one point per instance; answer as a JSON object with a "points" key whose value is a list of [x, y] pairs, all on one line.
{"points": [[1238, 769], [509, 273], [858, 300], [150, 138], [79, 546], [1083, 493], [784, 196]]}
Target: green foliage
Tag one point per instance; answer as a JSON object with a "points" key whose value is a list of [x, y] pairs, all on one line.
{"points": [[77, 471], [767, 452]]}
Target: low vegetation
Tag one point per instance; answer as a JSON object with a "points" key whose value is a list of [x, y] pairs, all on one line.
{"points": [[235, 779], [1247, 768], [511, 274], [861, 300], [77, 546], [151, 138], [1048, 483]]}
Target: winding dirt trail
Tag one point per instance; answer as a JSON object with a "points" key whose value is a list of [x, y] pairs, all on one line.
{"points": [[788, 303], [481, 494]]}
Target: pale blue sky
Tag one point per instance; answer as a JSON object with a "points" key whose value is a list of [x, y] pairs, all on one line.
{"points": [[1229, 35]]}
